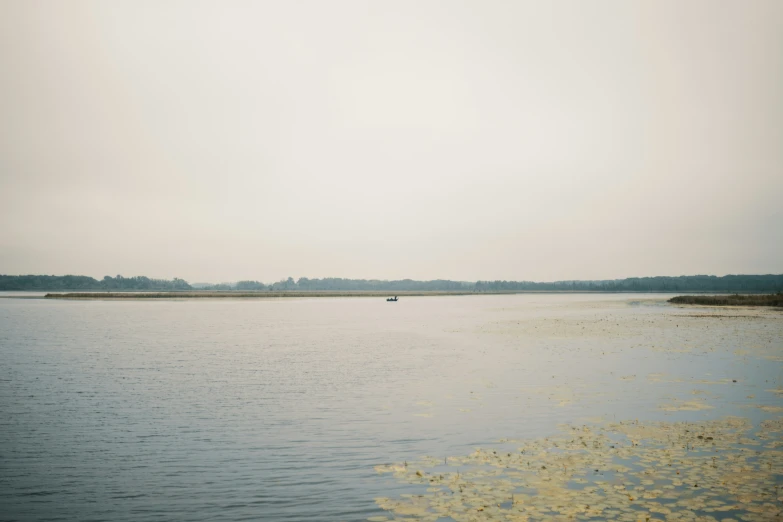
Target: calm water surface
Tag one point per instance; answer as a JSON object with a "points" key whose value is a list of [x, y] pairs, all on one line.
{"points": [[279, 409]]}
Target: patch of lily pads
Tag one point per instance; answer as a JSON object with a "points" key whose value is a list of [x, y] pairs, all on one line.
{"points": [[719, 470]]}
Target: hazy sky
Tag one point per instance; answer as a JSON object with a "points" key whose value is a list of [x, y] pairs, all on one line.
{"points": [[226, 140]]}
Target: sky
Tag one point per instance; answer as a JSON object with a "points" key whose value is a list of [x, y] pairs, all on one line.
{"points": [[547, 140]]}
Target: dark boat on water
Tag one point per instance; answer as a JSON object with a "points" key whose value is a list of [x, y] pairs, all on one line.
{"points": [[390, 299]]}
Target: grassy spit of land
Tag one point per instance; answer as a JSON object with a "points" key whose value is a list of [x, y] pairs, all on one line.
{"points": [[232, 294], [235, 295], [717, 300], [730, 300]]}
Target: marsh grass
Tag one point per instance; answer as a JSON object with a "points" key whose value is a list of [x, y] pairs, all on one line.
{"points": [[234, 294], [730, 300]]}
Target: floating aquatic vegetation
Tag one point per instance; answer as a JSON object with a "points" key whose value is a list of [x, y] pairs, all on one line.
{"points": [[771, 426], [563, 395], [695, 405], [646, 330], [763, 407], [702, 471], [771, 409], [660, 377]]}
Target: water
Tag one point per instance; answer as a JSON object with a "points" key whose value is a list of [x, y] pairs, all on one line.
{"points": [[279, 409]]}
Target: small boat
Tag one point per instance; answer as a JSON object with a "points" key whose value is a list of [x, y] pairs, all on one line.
{"points": [[392, 299]]}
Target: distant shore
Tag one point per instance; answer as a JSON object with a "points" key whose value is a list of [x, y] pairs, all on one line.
{"points": [[236, 295], [266, 294], [698, 284], [211, 294], [775, 300]]}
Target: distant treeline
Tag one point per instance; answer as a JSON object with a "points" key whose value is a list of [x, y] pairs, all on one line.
{"points": [[72, 282], [336, 283], [699, 283]]}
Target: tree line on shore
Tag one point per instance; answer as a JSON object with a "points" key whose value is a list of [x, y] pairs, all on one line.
{"points": [[700, 283], [45, 283]]}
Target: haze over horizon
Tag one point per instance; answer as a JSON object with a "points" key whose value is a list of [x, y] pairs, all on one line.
{"points": [[221, 141]]}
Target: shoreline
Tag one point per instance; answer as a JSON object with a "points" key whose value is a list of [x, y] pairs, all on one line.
{"points": [[316, 293], [699, 299], [268, 295]]}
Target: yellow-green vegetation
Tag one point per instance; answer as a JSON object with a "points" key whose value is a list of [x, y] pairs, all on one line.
{"points": [[235, 295], [693, 405], [720, 470], [730, 300]]}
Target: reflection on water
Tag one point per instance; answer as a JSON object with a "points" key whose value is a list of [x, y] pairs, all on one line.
{"points": [[282, 409]]}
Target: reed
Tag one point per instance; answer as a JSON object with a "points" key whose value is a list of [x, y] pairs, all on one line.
{"points": [[730, 300], [239, 295]]}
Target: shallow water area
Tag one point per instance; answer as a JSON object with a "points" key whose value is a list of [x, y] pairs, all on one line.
{"points": [[282, 409]]}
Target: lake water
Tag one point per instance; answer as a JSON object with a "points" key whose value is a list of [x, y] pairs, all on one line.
{"points": [[281, 409]]}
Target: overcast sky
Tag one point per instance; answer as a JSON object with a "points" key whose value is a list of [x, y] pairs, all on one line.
{"points": [[226, 140]]}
